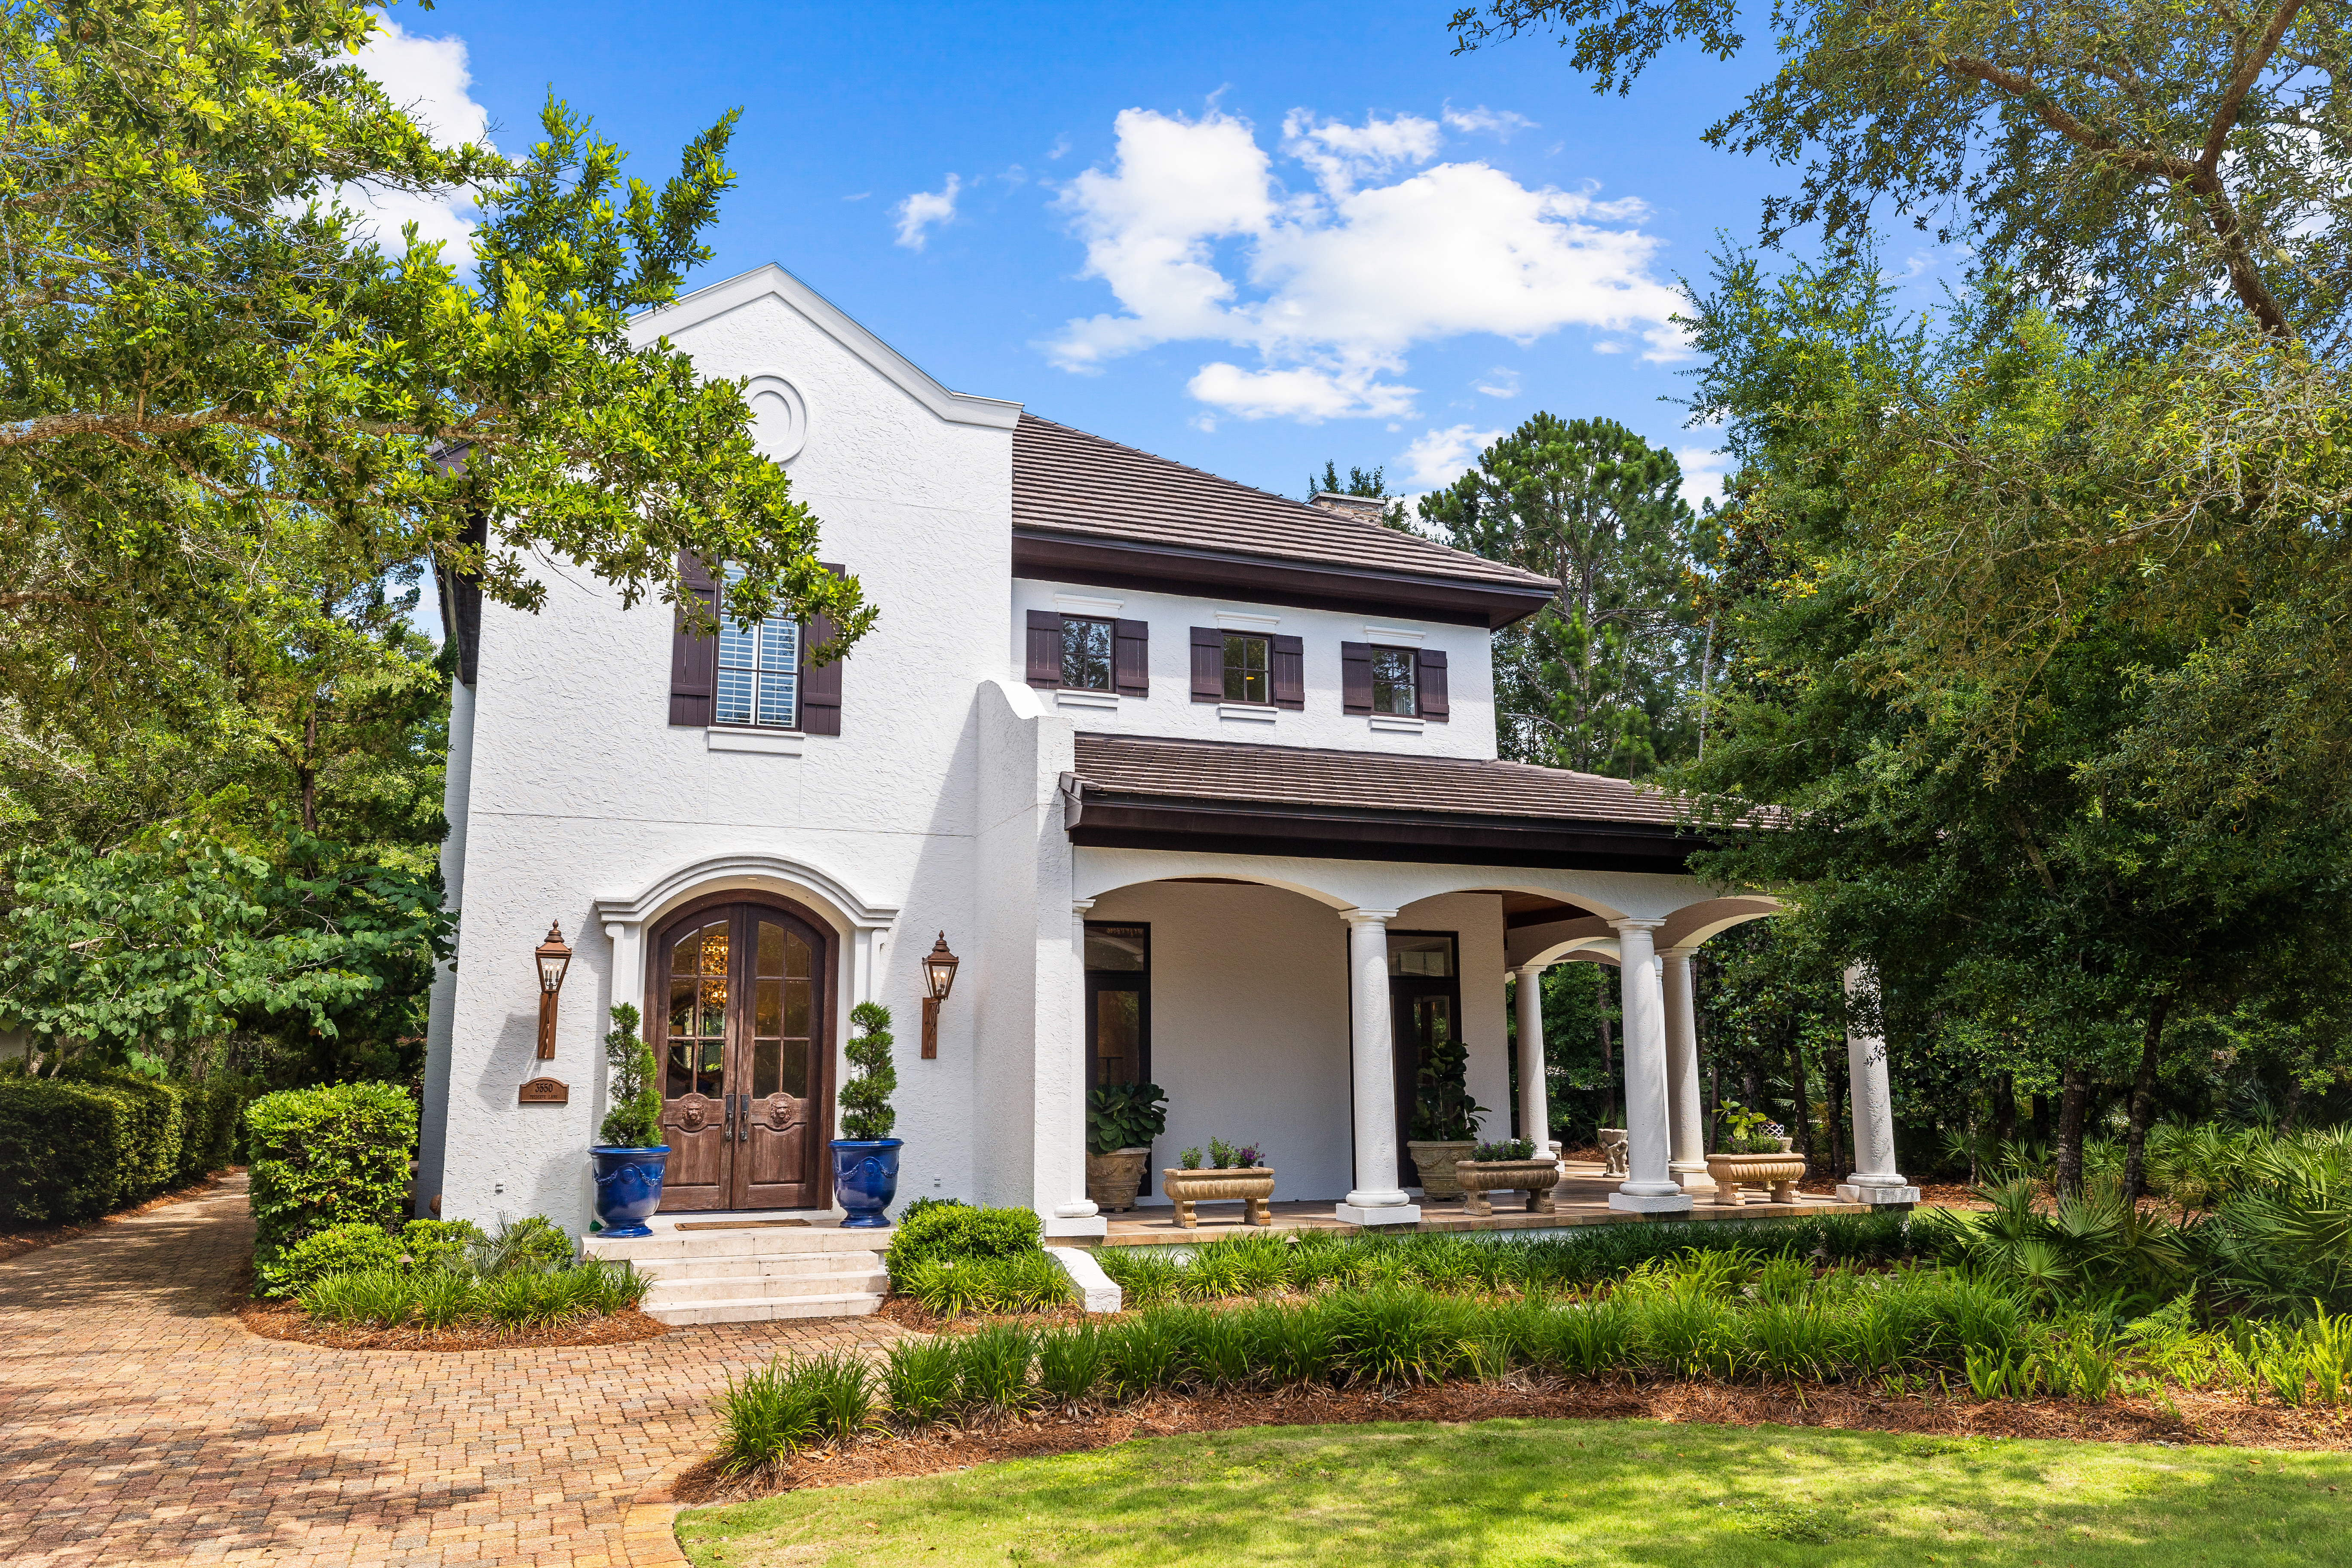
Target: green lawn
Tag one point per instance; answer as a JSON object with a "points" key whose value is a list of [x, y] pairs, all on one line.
{"points": [[1536, 1494]]}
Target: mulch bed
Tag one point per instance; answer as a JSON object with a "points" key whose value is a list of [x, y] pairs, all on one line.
{"points": [[275, 1320], [2204, 1419], [15, 1243]]}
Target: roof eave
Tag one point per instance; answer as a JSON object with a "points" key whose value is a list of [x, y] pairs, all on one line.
{"points": [[1070, 556]]}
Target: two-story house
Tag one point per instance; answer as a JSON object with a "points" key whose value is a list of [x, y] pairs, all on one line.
{"points": [[1198, 782]]}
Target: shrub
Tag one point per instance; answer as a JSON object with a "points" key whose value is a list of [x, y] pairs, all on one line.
{"points": [[919, 1380], [866, 1112], [327, 1156], [992, 1367], [61, 1150], [635, 1121], [438, 1243], [210, 1115], [767, 1418], [153, 1134], [444, 1299], [1070, 1364], [379, 1298], [531, 1246], [339, 1249], [955, 1232]]}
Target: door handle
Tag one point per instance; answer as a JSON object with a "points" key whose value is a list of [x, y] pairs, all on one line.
{"points": [[743, 1122], [729, 1134]]}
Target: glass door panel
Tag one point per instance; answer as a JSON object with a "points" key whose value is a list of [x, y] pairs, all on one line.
{"points": [[694, 1061], [778, 1141]]}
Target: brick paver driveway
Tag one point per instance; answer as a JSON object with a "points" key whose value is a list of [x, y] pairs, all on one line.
{"points": [[141, 1423]]}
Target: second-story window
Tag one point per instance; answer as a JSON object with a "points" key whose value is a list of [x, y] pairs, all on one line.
{"points": [[1086, 654], [1393, 690], [758, 668], [1246, 678]]}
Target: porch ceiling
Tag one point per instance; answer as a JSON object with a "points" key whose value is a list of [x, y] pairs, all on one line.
{"points": [[1136, 792]]}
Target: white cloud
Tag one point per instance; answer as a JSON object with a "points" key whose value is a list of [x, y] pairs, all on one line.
{"points": [[428, 77], [1199, 240], [860, 196], [1441, 456], [1501, 123], [918, 212], [1500, 381], [1061, 145], [1704, 471]]}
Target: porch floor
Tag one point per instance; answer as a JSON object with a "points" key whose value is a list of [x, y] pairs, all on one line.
{"points": [[1581, 1198]]}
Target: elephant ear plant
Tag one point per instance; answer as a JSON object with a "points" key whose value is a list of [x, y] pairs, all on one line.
{"points": [[1125, 1116]]}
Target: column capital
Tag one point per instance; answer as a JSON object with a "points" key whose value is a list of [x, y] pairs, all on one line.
{"points": [[1629, 924], [1080, 906], [1367, 917], [1677, 954], [1530, 968]]}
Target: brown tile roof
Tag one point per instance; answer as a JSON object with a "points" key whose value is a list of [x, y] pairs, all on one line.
{"points": [[1066, 482], [1296, 777]]}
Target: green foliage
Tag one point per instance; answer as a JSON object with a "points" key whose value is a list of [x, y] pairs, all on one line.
{"points": [[1505, 1149], [442, 1245], [1443, 1111], [950, 1287], [958, 1234], [359, 1247], [1189, 1160], [919, 1381], [329, 1156], [635, 1121], [388, 1295], [175, 945], [866, 1112], [78, 1146], [1125, 1116], [1603, 678], [532, 1245]]}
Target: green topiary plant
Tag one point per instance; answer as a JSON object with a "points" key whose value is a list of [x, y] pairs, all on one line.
{"points": [[1125, 1116], [328, 1156], [866, 1114], [953, 1233], [635, 1121]]}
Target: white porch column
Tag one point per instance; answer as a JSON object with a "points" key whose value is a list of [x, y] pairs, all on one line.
{"points": [[1649, 1187], [1535, 1099], [1684, 1113], [1377, 1199], [1061, 1146], [1875, 1180]]}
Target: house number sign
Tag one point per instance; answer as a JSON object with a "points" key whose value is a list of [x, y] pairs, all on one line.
{"points": [[544, 1091]]}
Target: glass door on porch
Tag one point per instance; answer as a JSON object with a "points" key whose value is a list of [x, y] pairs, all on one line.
{"points": [[1424, 1003], [1119, 1005], [742, 1056]]}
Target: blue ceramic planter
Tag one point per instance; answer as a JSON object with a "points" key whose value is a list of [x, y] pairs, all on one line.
{"points": [[864, 1179], [628, 1187]]}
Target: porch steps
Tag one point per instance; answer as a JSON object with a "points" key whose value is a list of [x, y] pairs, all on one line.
{"points": [[752, 1273]]}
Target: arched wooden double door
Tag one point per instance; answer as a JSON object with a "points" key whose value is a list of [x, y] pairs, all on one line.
{"points": [[738, 992]]}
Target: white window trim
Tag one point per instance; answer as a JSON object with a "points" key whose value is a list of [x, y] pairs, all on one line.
{"points": [[749, 738], [1397, 722], [1078, 697], [1394, 636], [1086, 609], [1235, 621], [1255, 712]]}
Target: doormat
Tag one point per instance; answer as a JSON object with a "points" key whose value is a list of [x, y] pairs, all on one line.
{"points": [[736, 1224]]}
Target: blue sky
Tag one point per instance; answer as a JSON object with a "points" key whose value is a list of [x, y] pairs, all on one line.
{"points": [[1248, 236]]}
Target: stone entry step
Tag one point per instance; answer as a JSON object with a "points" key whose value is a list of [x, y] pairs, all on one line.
{"points": [[720, 1268]]}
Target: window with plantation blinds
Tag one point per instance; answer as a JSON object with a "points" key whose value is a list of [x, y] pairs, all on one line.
{"points": [[751, 675]]}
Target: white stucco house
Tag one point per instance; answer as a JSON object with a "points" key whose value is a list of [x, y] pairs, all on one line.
{"points": [[1199, 783]]}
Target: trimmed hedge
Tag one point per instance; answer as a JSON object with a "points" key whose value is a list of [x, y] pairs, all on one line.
{"points": [[943, 1232], [98, 1139], [331, 1156]]}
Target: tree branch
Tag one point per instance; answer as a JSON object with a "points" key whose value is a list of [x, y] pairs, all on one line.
{"points": [[2234, 98]]}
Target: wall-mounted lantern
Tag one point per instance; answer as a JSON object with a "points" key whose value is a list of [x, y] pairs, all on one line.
{"points": [[939, 977], [553, 958]]}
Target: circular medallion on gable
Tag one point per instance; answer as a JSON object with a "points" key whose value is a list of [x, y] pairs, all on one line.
{"points": [[779, 417]]}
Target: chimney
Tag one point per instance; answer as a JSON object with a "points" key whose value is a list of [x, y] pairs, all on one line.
{"points": [[1363, 509]]}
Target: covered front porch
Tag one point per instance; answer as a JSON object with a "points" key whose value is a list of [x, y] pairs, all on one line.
{"points": [[1274, 936]]}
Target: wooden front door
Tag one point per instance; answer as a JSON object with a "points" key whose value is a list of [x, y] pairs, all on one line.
{"points": [[741, 992]]}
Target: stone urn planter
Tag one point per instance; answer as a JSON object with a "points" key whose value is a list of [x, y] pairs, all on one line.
{"points": [[1615, 1151], [1781, 1172], [1535, 1178], [1113, 1179], [1252, 1184], [1436, 1161]]}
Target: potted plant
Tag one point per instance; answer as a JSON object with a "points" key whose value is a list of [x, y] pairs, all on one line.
{"points": [[1757, 1153], [1507, 1166], [1229, 1173], [630, 1161], [866, 1157], [1446, 1119], [1122, 1119]]}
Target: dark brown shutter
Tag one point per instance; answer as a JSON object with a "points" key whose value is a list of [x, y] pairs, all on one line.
{"points": [[1131, 662], [1355, 678], [693, 659], [1287, 655], [1430, 689], [1045, 648], [1208, 665], [820, 683]]}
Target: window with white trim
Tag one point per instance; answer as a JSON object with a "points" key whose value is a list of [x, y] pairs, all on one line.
{"points": [[759, 669]]}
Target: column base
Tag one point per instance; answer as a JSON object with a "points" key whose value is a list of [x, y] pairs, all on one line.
{"points": [[1076, 1227], [1877, 1196], [1385, 1214], [1691, 1178], [1647, 1203]]}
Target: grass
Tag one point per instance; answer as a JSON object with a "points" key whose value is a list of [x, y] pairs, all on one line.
{"points": [[1539, 1494]]}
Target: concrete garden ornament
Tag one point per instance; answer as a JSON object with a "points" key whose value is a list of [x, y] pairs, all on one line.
{"points": [[1231, 1174], [1446, 1119], [1509, 1166], [1757, 1154]]}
